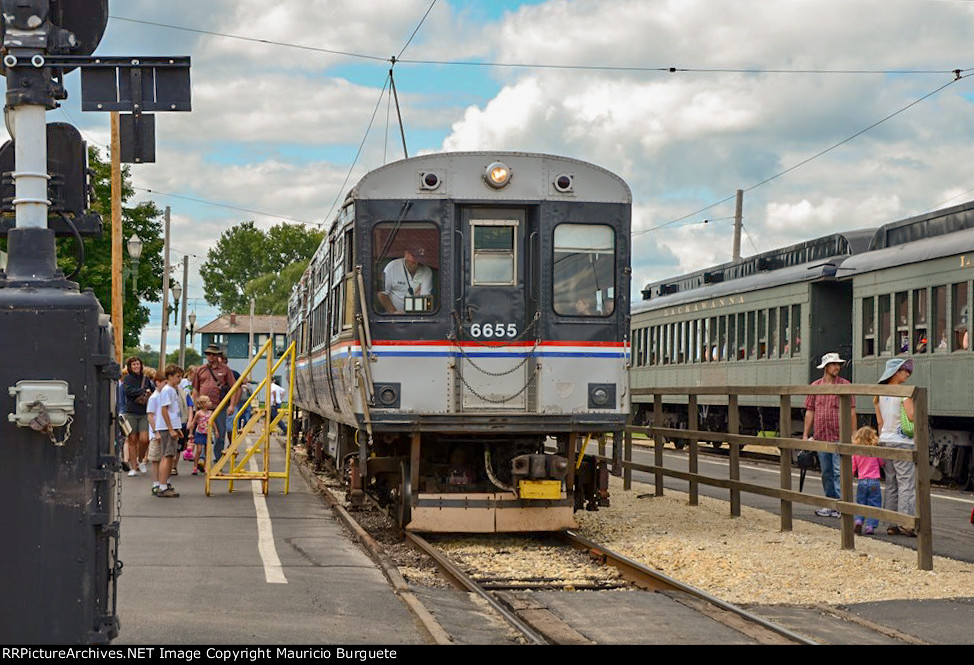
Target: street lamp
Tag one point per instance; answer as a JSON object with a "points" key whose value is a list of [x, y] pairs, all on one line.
{"points": [[135, 253], [192, 326], [177, 291]]}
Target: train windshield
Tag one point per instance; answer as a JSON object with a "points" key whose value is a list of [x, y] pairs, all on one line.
{"points": [[584, 270], [406, 267]]}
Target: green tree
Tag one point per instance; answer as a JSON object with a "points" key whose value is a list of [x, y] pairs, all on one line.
{"points": [[245, 253], [96, 274], [272, 290]]}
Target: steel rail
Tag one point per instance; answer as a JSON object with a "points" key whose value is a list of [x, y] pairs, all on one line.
{"points": [[465, 581], [640, 574]]}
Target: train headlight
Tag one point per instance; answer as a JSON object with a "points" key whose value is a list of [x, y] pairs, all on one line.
{"points": [[497, 175], [601, 396]]}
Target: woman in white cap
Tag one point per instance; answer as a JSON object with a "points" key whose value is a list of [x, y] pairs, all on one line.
{"points": [[900, 494]]}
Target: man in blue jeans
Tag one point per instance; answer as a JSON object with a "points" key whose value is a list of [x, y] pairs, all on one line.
{"points": [[214, 379], [822, 419]]}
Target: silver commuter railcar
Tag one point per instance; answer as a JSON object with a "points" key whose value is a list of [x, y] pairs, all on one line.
{"points": [[462, 308]]}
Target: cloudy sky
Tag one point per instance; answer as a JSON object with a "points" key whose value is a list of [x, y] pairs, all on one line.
{"points": [[275, 127]]}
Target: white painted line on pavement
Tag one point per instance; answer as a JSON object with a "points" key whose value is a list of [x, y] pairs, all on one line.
{"points": [[273, 570]]}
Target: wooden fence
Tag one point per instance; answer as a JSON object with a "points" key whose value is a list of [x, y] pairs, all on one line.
{"points": [[845, 505]]}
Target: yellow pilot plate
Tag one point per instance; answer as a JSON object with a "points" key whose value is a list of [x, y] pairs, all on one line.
{"points": [[540, 489]]}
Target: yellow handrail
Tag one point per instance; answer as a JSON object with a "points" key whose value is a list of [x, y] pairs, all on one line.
{"points": [[214, 468]]}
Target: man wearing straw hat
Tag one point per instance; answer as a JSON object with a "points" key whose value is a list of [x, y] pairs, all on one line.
{"points": [[214, 380], [822, 418]]}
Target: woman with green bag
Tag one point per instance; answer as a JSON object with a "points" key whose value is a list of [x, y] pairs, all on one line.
{"points": [[895, 417]]}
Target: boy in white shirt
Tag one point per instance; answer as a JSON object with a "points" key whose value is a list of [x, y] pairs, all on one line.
{"points": [[153, 454], [168, 428]]}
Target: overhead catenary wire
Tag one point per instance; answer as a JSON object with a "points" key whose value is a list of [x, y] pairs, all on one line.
{"points": [[806, 160], [527, 65]]}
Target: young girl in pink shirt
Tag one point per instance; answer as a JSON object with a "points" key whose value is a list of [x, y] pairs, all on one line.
{"points": [[203, 412], [868, 492]]}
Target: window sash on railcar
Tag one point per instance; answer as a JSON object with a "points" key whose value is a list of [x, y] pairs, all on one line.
{"points": [[397, 290], [583, 270]]}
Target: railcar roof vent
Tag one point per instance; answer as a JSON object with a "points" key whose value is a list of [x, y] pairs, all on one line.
{"points": [[713, 277], [666, 289], [647, 293], [769, 263]]}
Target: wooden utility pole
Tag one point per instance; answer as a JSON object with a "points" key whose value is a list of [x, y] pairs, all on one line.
{"points": [[118, 282], [738, 223], [165, 296], [182, 318], [250, 353]]}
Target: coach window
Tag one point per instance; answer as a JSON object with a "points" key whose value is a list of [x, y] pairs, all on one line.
{"points": [[694, 350], [773, 332], [714, 338], [406, 272], [584, 270], [742, 336], [654, 345], [664, 344], [960, 317], [902, 336], [722, 338], [885, 329], [674, 343], [868, 327], [920, 341], [731, 349], [348, 315], [752, 338], [939, 318], [796, 330], [762, 334], [494, 252]]}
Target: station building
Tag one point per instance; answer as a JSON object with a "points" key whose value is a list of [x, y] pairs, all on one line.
{"points": [[233, 333]]}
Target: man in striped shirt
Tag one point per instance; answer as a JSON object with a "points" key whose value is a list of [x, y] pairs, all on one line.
{"points": [[822, 418]]}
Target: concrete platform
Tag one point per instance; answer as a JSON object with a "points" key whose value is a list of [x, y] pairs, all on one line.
{"points": [[200, 570]]}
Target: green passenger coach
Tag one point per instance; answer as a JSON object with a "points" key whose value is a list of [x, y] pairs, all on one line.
{"points": [[911, 297], [763, 320]]}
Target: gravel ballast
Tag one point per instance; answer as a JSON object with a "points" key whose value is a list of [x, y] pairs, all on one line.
{"points": [[749, 560]]}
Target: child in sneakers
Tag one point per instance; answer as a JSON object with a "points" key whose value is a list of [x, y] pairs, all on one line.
{"points": [[204, 409], [868, 492], [152, 411], [168, 427]]}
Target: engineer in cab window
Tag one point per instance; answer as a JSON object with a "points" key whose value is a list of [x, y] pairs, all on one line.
{"points": [[407, 283]]}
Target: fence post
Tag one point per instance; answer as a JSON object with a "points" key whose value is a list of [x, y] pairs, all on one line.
{"points": [[784, 432], [734, 427], [693, 420], [922, 454], [845, 469], [658, 443], [626, 468]]}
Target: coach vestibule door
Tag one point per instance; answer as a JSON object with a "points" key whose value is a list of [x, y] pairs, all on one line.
{"points": [[494, 363]]}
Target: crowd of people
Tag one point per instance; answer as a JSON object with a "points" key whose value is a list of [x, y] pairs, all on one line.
{"points": [[165, 415], [895, 425]]}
